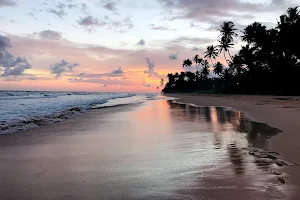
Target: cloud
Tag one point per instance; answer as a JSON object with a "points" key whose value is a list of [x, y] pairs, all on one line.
{"points": [[195, 49], [160, 28], [11, 66], [110, 5], [216, 10], [59, 13], [7, 3], [151, 67], [141, 42], [118, 26], [61, 6], [71, 6], [89, 21], [174, 56], [118, 71], [84, 8], [49, 34], [61, 67]]}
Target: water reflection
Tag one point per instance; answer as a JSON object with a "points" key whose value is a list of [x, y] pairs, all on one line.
{"points": [[232, 131]]}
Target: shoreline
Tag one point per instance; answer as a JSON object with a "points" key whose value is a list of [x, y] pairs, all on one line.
{"points": [[57, 157], [277, 111]]}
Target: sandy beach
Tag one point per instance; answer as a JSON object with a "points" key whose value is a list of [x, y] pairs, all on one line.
{"points": [[155, 150], [277, 111]]}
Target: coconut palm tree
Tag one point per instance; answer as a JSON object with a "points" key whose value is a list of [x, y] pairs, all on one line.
{"points": [[254, 34], [211, 53], [226, 37], [198, 61], [205, 70], [224, 46], [187, 63], [218, 69], [228, 30]]}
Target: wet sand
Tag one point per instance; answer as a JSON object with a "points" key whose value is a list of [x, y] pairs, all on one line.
{"points": [[277, 111], [156, 150]]}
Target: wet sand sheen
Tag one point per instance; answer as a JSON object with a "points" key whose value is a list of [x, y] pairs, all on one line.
{"points": [[153, 151]]}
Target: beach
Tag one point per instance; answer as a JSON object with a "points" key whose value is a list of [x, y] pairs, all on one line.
{"points": [[282, 112], [158, 149]]}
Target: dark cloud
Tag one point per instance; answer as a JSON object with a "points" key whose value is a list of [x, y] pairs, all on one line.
{"points": [[61, 67], [11, 66], [7, 3], [90, 21], [141, 42], [49, 34], [110, 5], [160, 28], [215, 10], [174, 56], [59, 13], [118, 71]]}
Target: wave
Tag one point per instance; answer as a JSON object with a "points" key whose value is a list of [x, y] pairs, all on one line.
{"points": [[25, 111]]}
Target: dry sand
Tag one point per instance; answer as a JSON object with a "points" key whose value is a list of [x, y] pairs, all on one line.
{"points": [[277, 111]]}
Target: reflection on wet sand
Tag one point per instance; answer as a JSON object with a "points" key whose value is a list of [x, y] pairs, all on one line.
{"points": [[157, 150], [245, 142]]}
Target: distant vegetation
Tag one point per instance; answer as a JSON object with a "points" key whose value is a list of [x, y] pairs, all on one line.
{"points": [[267, 63]]}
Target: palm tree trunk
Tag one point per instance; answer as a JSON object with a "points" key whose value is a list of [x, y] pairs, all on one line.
{"points": [[229, 55], [226, 58], [212, 62]]}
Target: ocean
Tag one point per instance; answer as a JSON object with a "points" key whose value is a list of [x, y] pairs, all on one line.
{"points": [[23, 110]]}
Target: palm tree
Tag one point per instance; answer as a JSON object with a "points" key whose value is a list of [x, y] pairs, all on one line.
{"points": [[187, 63], [205, 70], [198, 61], [237, 65], [227, 34], [224, 46], [218, 69], [254, 34], [211, 53], [228, 30]]}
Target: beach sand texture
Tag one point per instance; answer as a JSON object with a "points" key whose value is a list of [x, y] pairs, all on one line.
{"points": [[156, 150]]}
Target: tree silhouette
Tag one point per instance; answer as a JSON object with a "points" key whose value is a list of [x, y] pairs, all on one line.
{"points": [[211, 53], [187, 63], [267, 63], [218, 69], [226, 37]]}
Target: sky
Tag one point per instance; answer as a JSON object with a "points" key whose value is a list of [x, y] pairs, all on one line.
{"points": [[114, 45]]}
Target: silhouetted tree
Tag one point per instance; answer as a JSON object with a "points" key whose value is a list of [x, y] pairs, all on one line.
{"points": [[268, 62], [211, 53]]}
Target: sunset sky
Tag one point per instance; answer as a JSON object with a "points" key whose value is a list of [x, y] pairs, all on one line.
{"points": [[113, 45]]}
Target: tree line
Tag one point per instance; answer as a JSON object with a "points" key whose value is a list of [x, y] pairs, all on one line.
{"points": [[267, 63]]}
